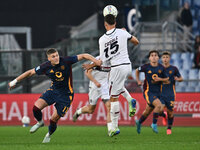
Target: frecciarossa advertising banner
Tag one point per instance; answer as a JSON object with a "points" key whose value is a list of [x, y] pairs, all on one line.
{"points": [[14, 106]]}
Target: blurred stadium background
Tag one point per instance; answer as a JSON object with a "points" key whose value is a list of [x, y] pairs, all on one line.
{"points": [[28, 28]]}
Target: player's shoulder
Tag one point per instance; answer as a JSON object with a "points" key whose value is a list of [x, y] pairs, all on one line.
{"points": [[174, 67], [46, 64], [101, 38], [146, 65], [161, 66]]}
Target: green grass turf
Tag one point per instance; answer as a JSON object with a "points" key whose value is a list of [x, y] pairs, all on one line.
{"points": [[95, 138]]}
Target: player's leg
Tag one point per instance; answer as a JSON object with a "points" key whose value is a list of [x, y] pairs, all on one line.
{"points": [[109, 122], [131, 102], [157, 109], [170, 114], [89, 109], [38, 106], [52, 126], [144, 116], [117, 79], [163, 113], [94, 94], [114, 115]]}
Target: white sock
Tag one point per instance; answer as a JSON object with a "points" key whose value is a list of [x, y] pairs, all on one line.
{"points": [[114, 114], [109, 125], [127, 95], [79, 111]]}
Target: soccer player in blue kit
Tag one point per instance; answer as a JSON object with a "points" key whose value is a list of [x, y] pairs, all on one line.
{"points": [[168, 94], [155, 74], [59, 70]]}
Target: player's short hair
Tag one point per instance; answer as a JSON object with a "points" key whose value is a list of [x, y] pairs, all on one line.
{"points": [[166, 53], [110, 19], [51, 51], [153, 51]]}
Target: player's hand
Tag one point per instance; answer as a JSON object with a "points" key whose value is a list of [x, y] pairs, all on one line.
{"points": [[12, 84], [98, 62], [97, 84], [139, 82], [156, 79], [176, 78]]}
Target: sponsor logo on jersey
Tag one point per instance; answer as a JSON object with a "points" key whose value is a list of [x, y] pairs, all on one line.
{"points": [[170, 72], [51, 71], [149, 71]]}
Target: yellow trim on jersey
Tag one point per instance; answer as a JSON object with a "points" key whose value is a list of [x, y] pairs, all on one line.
{"points": [[67, 109], [146, 93], [161, 87], [174, 92], [70, 87], [64, 109]]}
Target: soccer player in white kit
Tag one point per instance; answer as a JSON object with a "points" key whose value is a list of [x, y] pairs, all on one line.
{"points": [[98, 87], [113, 48]]}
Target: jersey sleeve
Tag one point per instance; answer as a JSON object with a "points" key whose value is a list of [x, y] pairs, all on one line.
{"points": [[127, 35], [101, 50], [71, 59], [41, 69], [142, 68], [177, 73]]}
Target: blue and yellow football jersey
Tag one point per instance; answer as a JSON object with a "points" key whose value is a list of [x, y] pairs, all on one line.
{"points": [[152, 89], [150, 73], [168, 89], [60, 74]]}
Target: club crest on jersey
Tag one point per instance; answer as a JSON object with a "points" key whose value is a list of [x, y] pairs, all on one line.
{"points": [[170, 72], [62, 67], [159, 71], [149, 71]]}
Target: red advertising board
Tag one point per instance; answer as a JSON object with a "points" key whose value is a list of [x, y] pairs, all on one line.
{"points": [[14, 106]]}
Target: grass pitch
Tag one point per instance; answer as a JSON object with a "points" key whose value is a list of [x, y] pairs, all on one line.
{"points": [[95, 138]]}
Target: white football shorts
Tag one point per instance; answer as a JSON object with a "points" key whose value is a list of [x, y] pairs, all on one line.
{"points": [[95, 93], [117, 78]]}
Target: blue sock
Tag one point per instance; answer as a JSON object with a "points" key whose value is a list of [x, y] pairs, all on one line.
{"points": [[142, 119], [52, 127], [155, 117], [37, 113], [170, 122]]}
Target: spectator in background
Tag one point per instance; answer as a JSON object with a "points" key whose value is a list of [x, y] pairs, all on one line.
{"points": [[197, 52], [186, 20]]}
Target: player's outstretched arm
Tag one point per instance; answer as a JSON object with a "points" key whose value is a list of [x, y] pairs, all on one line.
{"points": [[88, 73], [24, 75], [134, 40], [89, 66], [89, 57], [137, 73], [179, 79]]}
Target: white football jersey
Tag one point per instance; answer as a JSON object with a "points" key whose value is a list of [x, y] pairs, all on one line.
{"points": [[113, 46], [100, 73]]}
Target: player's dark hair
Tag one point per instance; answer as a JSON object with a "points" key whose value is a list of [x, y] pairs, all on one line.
{"points": [[153, 51], [51, 51], [110, 19], [166, 53]]}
